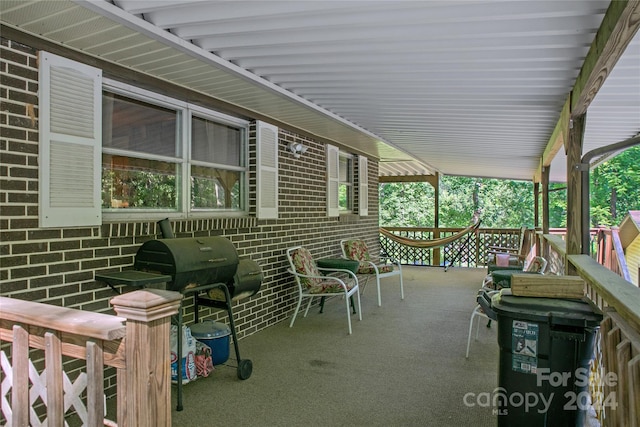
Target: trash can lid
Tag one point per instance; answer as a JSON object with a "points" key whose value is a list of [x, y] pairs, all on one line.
{"points": [[570, 312], [208, 329]]}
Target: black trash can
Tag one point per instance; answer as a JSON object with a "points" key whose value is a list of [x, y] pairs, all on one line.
{"points": [[546, 346]]}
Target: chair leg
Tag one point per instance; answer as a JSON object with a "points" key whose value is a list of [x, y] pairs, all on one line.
{"points": [[295, 313], [379, 296], [473, 315], [308, 306], [364, 285], [359, 306], [348, 315], [401, 287]]}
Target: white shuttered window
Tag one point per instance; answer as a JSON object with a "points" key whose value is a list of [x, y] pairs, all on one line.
{"points": [[267, 171], [70, 143], [363, 186], [333, 181]]}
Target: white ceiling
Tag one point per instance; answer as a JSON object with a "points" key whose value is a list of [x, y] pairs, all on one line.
{"points": [[469, 88]]}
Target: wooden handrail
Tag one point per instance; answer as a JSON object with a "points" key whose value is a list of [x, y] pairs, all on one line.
{"points": [[74, 322], [101, 340], [617, 355], [618, 293], [610, 252], [557, 243]]}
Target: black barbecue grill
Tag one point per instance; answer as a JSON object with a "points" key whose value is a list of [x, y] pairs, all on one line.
{"points": [[207, 267], [190, 262]]}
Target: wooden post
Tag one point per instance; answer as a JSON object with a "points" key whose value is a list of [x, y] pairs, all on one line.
{"points": [[20, 388], [545, 208], [634, 390], [536, 218], [574, 187], [144, 400], [435, 183], [536, 204]]}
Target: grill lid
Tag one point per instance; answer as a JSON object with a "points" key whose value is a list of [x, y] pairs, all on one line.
{"points": [[189, 261]]}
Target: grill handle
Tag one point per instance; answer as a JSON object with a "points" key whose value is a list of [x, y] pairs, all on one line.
{"points": [[217, 260]]}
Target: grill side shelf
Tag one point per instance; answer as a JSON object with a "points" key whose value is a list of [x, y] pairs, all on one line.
{"points": [[134, 278]]}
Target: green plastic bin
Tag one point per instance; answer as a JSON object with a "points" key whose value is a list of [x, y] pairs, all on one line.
{"points": [[546, 347]]}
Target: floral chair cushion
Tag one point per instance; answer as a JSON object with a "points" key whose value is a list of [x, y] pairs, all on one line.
{"points": [[357, 250], [538, 264], [304, 264]]}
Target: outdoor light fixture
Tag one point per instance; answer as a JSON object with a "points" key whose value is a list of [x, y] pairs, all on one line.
{"points": [[297, 149]]}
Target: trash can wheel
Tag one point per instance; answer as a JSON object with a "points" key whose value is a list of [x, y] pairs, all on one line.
{"points": [[245, 367]]}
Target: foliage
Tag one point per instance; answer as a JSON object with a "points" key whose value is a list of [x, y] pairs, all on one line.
{"points": [[500, 202], [614, 190], [406, 204], [557, 205], [457, 200], [138, 189]]}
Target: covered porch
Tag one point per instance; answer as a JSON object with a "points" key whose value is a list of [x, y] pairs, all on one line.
{"points": [[489, 104], [404, 364]]}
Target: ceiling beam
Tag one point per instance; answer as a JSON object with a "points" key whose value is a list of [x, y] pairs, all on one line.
{"points": [[432, 179], [619, 25], [556, 142]]}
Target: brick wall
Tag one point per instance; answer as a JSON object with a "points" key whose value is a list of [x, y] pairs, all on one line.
{"points": [[57, 266]]}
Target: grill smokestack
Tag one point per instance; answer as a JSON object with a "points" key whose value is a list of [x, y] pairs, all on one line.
{"points": [[165, 228]]}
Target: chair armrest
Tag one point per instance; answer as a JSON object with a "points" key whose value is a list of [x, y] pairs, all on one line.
{"points": [[326, 278], [391, 260], [332, 271], [519, 256], [309, 276], [502, 249]]}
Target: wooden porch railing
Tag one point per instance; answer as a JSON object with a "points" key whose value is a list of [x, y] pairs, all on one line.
{"points": [[610, 252], [136, 343], [469, 251], [472, 250], [615, 381]]}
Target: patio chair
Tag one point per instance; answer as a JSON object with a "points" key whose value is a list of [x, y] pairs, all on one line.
{"points": [[517, 254], [537, 265], [313, 281], [357, 250]]}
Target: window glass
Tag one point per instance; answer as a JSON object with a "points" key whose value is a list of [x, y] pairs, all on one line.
{"points": [[128, 182], [345, 188], [148, 155], [215, 143], [132, 125], [217, 151], [215, 188], [132, 132]]}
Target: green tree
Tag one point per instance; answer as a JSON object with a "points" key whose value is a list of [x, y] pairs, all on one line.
{"points": [[456, 200], [557, 205], [408, 204], [615, 188]]}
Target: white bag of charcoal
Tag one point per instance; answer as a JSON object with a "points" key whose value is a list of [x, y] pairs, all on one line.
{"points": [[187, 360]]}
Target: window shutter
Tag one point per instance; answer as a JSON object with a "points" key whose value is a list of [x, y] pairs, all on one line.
{"points": [[363, 186], [333, 181], [70, 143], [266, 171]]}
